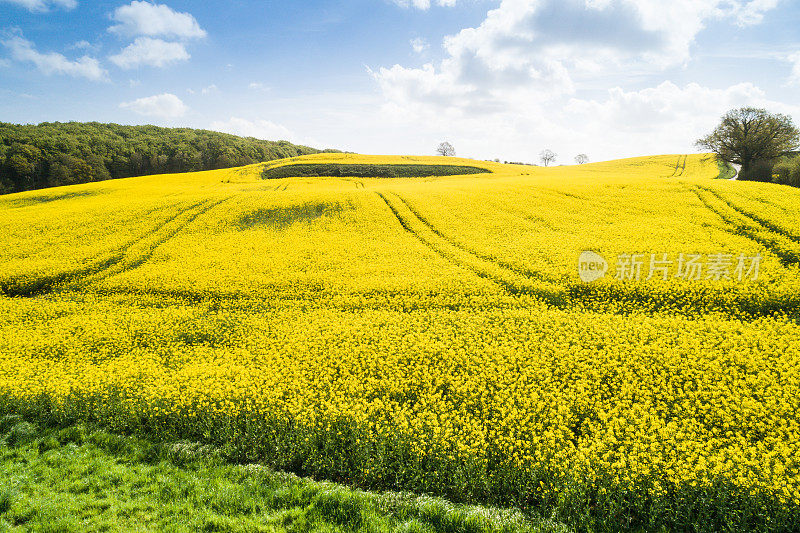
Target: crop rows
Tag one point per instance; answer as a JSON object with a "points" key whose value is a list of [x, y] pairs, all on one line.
{"points": [[429, 334]]}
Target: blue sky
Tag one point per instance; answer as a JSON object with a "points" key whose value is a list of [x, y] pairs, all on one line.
{"points": [[502, 78]]}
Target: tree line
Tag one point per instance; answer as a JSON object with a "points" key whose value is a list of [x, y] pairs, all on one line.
{"points": [[52, 153]]}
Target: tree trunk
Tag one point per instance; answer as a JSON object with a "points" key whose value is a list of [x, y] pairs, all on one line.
{"points": [[747, 166]]}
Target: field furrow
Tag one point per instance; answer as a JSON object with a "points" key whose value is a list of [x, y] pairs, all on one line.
{"points": [[431, 334], [785, 249], [757, 219], [141, 251]]}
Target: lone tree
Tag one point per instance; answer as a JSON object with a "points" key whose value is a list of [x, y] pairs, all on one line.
{"points": [[547, 157], [446, 149], [753, 138], [581, 159]]}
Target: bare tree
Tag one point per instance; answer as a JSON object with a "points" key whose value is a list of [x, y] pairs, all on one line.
{"points": [[446, 149], [581, 159], [547, 157], [753, 138]]}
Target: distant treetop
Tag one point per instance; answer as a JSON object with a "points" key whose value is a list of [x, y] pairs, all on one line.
{"points": [[547, 156], [446, 149]]}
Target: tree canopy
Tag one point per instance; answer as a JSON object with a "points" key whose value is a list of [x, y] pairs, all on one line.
{"points": [[547, 156], [753, 138], [52, 154], [446, 149]]}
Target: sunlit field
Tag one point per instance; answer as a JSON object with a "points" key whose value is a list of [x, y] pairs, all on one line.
{"points": [[431, 334]]}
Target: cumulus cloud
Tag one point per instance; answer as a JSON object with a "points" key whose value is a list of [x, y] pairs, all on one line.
{"points": [[794, 77], [666, 117], [419, 45], [81, 45], [150, 52], [679, 110], [150, 19], [41, 6], [51, 62], [166, 106], [260, 129], [752, 12], [534, 50]]}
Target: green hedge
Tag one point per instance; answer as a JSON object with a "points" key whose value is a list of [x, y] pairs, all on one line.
{"points": [[368, 171], [787, 172]]}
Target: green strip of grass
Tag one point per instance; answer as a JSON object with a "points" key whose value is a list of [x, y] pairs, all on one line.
{"points": [[82, 478], [367, 171], [726, 170]]}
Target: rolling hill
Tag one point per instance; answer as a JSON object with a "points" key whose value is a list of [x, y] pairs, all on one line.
{"points": [[54, 154], [431, 333]]}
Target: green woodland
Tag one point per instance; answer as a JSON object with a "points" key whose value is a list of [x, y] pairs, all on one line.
{"points": [[53, 153]]}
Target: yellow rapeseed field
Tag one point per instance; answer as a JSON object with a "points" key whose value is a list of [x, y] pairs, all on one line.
{"points": [[432, 334]]}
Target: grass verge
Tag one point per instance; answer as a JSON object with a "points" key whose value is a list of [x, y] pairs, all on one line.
{"points": [[726, 170], [83, 478]]}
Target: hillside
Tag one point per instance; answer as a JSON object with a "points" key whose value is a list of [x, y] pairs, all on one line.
{"points": [[53, 154], [431, 334]]}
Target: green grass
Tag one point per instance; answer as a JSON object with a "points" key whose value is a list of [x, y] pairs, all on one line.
{"points": [[82, 478], [726, 170], [368, 171]]}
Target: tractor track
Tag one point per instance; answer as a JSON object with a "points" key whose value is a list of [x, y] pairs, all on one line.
{"points": [[139, 259], [485, 257], [509, 280], [680, 167], [101, 268], [755, 218], [787, 258], [357, 183]]}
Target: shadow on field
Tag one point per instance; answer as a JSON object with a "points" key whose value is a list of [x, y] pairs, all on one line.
{"points": [[283, 217], [47, 198]]}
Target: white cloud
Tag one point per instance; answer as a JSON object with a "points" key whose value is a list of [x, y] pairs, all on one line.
{"points": [[675, 110], [41, 6], [538, 50], [81, 45], [424, 4], [794, 77], [658, 119], [211, 89], [666, 118], [145, 18], [150, 52], [419, 45], [260, 129], [165, 106], [258, 86], [52, 62], [752, 12]]}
